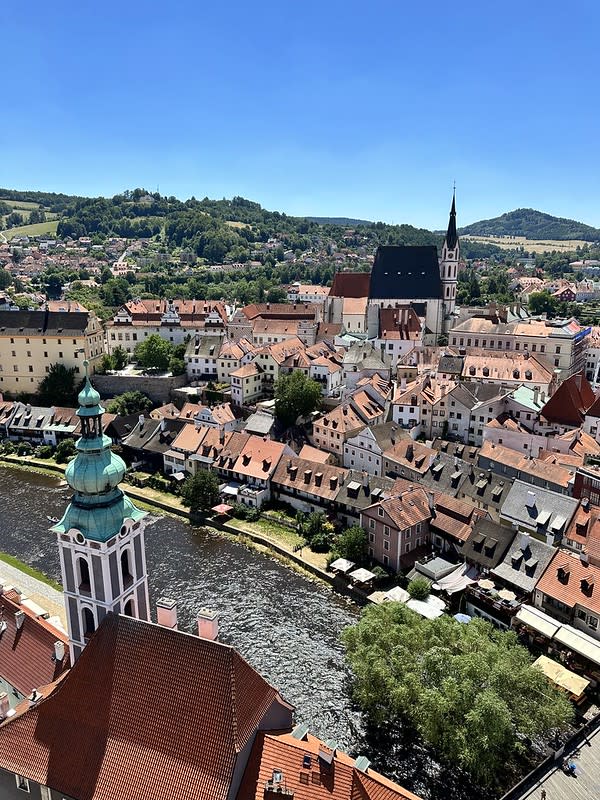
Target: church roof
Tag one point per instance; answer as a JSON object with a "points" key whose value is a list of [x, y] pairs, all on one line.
{"points": [[145, 712], [405, 272], [350, 284]]}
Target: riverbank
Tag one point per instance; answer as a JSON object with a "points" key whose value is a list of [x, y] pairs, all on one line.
{"points": [[279, 540], [34, 586]]}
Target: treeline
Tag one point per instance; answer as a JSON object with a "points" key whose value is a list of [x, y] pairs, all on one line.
{"points": [[51, 201], [533, 225]]}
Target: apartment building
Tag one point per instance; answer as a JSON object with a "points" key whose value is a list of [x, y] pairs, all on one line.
{"points": [[32, 341]]}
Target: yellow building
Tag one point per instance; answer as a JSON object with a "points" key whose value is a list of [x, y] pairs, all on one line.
{"points": [[31, 341]]}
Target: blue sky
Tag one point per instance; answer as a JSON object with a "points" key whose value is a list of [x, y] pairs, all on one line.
{"points": [[367, 109]]}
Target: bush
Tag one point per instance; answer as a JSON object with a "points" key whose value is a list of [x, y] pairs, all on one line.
{"points": [[8, 447], [24, 449], [419, 588], [44, 451], [65, 449]]}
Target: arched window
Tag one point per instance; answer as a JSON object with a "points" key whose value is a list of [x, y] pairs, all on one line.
{"points": [[129, 609], [89, 626], [126, 569], [83, 571]]}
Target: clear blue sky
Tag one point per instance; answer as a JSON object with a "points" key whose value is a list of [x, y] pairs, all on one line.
{"points": [[367, 109]]}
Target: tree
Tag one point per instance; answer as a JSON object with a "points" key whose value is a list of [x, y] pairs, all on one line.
{"points": [[296, 396], [129, 403], [154, 352], [352, 544], [419, 588], [201, 491], [58, 387], [541, 303], [177, 366], [65, 449], [469, 690], [317, 531], [120, 358]]}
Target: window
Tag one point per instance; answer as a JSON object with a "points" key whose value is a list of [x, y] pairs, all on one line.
{"points": [[126, 569], [22, 784], [386, 545], [371, 523], [386, 530], [407, 548], [83, 571], [89, 626], [593, 623], [558, 351], [380, 512], [371, 537], [129, 609], [386, 560]]}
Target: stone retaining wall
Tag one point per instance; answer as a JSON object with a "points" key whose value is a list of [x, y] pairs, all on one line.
{"points": [[158, 388]]}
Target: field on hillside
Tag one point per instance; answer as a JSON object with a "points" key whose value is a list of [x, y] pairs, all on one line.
{"points": [[531, 245], [39, 229], [20, 205]]}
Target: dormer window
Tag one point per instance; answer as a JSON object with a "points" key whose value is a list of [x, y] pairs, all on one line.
{"points": [[587, 585], [563, 573]]}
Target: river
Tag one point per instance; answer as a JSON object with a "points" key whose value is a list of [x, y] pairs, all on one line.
{"points": [[285, 625]]}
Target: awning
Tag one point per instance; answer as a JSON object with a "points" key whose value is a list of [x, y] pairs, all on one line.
{"points": [[486, 583], [431, 608], [397, 595], [537, 621], [458, 580], [362, 575], [178, 476], [222, 508], [561, 676], [342, 565], [579, 642], [506, 594]]}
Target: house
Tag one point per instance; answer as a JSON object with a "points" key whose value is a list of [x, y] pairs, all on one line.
{"points": [[569, 590], [357, 492], [33, 652], [233, 355], [115, 749], [307, 485], [485, 490], [365, 451], [363, 360], [542, 513], [333, 430], [251, 461], [398, 526], [568, 405], [201, 357], [246, 384], [523, 564], [509, 371], [150, 439], [299, 765], [512, 464], [405, 458], [398, 333]]}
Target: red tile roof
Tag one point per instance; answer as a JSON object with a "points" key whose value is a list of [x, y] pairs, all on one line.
{"points": [[564, 581], [26, 655], [309, 778], [570, 401], [350, 284], [145, 712]]}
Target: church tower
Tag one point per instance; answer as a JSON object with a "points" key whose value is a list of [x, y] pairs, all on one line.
{"points": [[449, 269], [101, 535]]}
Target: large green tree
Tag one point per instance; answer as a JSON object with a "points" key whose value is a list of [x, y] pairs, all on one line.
{"points": [[352, 544], [469, 690], [541, 303], [201, 491], [295, 396], [58, 387], [154, 352], [129, 403]]}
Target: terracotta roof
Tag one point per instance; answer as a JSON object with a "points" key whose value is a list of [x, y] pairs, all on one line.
{"points": [[176, 711], [407, 508], [26, 654], [315, 478], [259, 457], [499, 454], [509, 367], [570, 401], [314, 454], [565, 580], [246, 371], [350, 284], [342, 419], [308, 777]]}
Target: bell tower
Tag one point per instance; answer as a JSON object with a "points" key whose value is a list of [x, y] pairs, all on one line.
{"points": [[449, 269], [101, 534]]}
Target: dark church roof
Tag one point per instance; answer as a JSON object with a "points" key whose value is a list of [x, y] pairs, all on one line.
{"points": [[406, 272], [451, 234]]}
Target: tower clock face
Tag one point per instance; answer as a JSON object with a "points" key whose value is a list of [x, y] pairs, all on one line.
{"points": [[80, 538]]}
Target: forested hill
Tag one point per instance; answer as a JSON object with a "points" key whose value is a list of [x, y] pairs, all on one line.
{"points": [[533, 225], [219, 231]]}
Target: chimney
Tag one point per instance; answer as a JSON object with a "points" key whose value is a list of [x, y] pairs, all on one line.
{"points": [[524, 541], [584, 558], [402, 384], [431, 501], [536, 394], [530, 500], [365, 479], [141, 419], [410, 451], [166, 613], [59, 650], [163, 424], [4, 705], [208, 624], [19, 619]]}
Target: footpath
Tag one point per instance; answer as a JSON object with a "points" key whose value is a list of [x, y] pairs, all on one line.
{"points": [[35, 590]]}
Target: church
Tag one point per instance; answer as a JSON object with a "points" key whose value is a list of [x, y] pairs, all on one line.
{"points": [[147, 711], [403, 277]]}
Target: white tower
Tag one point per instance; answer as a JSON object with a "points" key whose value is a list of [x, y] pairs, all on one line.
{"points": [[101, 535], [449, 269]]}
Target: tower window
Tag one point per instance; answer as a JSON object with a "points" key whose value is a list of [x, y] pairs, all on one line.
{"points": [[83, 570], [126, 569], [129, 609], [89, 626]]}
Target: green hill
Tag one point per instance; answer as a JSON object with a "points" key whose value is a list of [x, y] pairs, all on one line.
{"points": [[533, 225]]}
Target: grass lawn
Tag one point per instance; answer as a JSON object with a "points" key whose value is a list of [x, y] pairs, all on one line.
{"points": [[34, 573], [39, 229], [20, 205]]}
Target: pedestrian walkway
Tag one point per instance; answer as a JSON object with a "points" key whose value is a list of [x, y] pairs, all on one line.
{"points": [[35, 590], [584, 785]]}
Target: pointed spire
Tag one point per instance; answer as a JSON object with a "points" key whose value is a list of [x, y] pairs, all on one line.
{"points": [[451, 234]]}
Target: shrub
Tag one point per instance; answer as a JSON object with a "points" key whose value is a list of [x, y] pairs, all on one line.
{"points": [[44, 451], [24, 449], [419, 588]]}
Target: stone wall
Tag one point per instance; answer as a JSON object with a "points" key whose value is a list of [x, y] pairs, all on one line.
{"points": [[158, 388]]}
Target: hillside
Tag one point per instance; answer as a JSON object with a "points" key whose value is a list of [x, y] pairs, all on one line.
{"points": [[532, 224]]}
